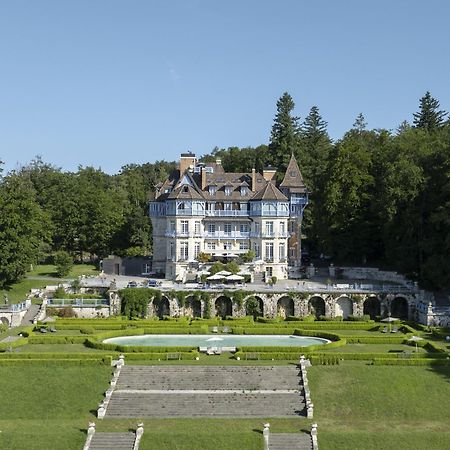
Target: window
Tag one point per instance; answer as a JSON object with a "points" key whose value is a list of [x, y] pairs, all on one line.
{"points": [[269, 251], [228, 206], [243, 228], [211, 245], [171, 250], [211, 228], [172, 226], [243, 190], [197, 227], [212, 190], [282, 251], [146, 268], [227, 190], [181, 205], [227, 228], [184, 253], [282, 228], [256, 227], [227, 245], [243, 245], [184, 226], [196, 249], [256, 249], [269, 228]]}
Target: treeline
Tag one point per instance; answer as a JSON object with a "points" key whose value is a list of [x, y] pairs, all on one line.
{"points": [[377, 197], [87, 213]]}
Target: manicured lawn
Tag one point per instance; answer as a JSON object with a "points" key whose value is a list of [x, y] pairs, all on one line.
{"points": [[358, 406], [49, 270], [47, 406], [204, 434], [18, 292], [375, 348]]}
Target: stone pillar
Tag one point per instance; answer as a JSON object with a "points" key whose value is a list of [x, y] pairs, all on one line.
{"points": [[90, 435], [139, 433], [315, 444], [266, 433]]}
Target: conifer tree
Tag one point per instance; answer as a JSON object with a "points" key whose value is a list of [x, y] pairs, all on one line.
{"points": [[429, 116], [284, 138]]}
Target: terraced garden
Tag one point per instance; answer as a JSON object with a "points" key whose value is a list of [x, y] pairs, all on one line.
{"points": [[370, 389]]}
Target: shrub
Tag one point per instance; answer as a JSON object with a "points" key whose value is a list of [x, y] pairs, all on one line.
{"points": [[87, 330], [63, 262], [66, 311]]}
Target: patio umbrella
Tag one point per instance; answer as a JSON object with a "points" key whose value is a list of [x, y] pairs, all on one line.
{"points": [[235, 278], [215, 277], [415, 339], [223, 273], [231, 255], [389, 320]]}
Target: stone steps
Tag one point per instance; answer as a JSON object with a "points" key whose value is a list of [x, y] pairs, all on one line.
{"points": [[139, 405], [290, 441], [209, 377], [112, 441]]}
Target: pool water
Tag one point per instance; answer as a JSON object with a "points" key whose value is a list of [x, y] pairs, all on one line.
{"points": [[208, 340]]}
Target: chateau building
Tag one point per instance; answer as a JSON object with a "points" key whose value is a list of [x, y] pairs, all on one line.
{"points": [[201, 208]]}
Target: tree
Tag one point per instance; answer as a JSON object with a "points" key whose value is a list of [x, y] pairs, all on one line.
{"points": [[429, 116], [63, 262], [284, 138], [23, 228]]}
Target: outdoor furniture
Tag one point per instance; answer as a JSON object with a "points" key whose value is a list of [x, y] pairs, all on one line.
{"points": [[215, 329], [394, 329], [43, 330], [385, 330], [52, 330], [226, 330], [173, 356]]}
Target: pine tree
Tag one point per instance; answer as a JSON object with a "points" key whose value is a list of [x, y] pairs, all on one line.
{"points": [[360, 123], [284, 138], [429, 116]]}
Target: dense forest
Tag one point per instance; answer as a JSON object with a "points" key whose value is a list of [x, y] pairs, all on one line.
{"points": [[378, 197]]}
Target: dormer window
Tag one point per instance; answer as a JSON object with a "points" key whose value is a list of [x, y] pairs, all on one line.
{"points": [[185, 189], [227, 190], [243, 190], [212, 190]]}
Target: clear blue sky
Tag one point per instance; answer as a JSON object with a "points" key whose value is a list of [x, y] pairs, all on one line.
{"points": [[111, 82]]}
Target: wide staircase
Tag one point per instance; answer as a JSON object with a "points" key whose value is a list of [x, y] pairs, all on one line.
{"points": [[207, 391], [110, 441], [290, 441]]}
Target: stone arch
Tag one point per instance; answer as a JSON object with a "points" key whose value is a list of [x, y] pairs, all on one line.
{"points": [[193, 307], [372, 307], [224, 306], [399, 308], [161, 307], [316, 306], [343, 307], [4, 321], [254, 306], [285, 307]]}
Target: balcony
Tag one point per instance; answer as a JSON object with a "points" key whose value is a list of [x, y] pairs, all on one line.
{"points": [[226, 213], [227, 235], [178, 234], [265, 235]]}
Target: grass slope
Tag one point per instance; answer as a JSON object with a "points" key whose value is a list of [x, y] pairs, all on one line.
{"points": [[371, 407], [48, 406]]}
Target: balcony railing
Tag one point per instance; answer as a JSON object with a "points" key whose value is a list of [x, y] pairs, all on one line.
{"points": [[227, 235], [282, 235], [226, 213]]}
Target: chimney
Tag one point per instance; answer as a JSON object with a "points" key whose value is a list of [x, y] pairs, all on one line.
{"points": [[186, 160], [269, 173], [253, 186], [203, 178]]}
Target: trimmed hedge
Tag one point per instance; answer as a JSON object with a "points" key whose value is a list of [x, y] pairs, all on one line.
{"points": [[76, 362], [56, 339], [14, 344], [136, 348], [276, 356], [375, 339], [191, 355], [47, 355], [411, 362]]}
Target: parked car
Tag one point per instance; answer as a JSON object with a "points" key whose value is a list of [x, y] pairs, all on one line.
{"points": [[132, 284], [153, 283]]}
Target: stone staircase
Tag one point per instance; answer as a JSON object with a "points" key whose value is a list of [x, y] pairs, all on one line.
{"points": [[209, 378], [290, 441], [207, 391], [112, 441], [30, 315]]}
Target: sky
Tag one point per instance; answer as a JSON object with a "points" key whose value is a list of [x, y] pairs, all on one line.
{"points": [[106, 83]]}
